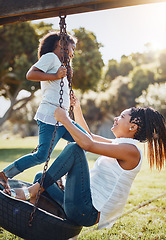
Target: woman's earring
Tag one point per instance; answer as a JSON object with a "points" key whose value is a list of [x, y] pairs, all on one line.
{"points": [[130, 129]]}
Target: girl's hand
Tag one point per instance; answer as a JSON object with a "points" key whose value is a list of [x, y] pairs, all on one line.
{"points": [[62, 72], [60, 114]]}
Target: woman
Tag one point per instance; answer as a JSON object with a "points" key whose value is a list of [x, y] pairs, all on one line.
{"points": [[102, 194]]}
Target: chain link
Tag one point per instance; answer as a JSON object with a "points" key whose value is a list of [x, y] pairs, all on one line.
{"points": [[65, 61]]}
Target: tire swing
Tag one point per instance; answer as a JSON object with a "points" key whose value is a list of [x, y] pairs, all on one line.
{"points": [[46, 219]]}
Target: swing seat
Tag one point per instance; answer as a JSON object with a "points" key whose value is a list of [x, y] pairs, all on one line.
{"points": [[49, 221]]}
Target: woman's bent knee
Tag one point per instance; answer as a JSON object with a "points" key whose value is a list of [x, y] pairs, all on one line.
{"points": [[73, 146]]}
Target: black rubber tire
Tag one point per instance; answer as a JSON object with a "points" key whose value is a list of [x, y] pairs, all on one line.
{"points": [[15, 215]]}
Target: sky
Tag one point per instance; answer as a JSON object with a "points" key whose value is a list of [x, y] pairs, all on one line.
{"points": [[122, 30]]}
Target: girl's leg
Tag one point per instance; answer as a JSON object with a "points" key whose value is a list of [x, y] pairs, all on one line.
{"points": [[45, 136], [77, 196]]}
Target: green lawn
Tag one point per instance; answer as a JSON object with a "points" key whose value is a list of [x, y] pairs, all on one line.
{"points": [[147, 223]]}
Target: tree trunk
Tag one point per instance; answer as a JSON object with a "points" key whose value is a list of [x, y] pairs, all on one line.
{"points": [[11, 109]]}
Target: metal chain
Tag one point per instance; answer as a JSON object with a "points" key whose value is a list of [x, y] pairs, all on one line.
{"points": [[66, 60], [64, 57]]}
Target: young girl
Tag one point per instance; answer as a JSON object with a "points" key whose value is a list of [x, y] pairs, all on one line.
{"points": [[102, 194], [48, 71]]}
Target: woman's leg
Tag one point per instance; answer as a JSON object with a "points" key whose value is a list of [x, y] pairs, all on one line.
{"points": [[77, 196], [67, 136], [54, 191], [45, 137]]}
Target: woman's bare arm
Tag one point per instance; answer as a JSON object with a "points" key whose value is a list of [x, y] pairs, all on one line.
{"points": [[123, 151]]}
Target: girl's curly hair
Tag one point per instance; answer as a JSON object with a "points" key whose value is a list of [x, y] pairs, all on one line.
{"points": [[49, 42]]}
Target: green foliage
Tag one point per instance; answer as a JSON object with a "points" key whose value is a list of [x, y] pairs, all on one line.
{"points": [[87, 61], [112, 70], [141, 78], [42, 28], [125, 66], [97, 105], [115, 69], [116, 98], [154, 97], [18, 49], [138, 58], [162, 61], [143, 71], [18, 46]]}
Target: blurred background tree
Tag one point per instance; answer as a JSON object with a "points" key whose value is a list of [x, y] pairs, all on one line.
{"points": [[140, 80], [154, 97], [162, 66], [18, 46], [136, 80], [87, 61], [125, 65]]}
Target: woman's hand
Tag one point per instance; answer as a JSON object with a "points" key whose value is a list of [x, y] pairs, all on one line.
{"points": [[74, 101], [60, 114], [70, 72], [60, 184]]}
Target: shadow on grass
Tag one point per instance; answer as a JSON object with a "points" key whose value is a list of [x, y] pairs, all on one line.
{"points": [[10, 154]]}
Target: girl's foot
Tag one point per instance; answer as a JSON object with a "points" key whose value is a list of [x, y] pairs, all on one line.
{"points": [[3, 181]]}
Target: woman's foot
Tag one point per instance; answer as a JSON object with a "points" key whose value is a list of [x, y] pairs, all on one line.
{"points": [[19, 193], [24, 193], [3, 180]]}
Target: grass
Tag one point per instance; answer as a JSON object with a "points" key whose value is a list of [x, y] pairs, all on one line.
{"points": [[148, 223]]}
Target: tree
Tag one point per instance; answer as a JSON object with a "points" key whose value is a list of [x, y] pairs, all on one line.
{"points": [[154, 97], [162, 67], [125, 66], [141, 78], [87, 61], [138, 58], [18, 45], [18, 49], [115, 99], [42, 28], [111, 73]]}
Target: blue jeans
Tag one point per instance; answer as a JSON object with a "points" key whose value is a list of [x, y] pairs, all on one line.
{"points": [[45, 137], [54, 191], [76, 199]]}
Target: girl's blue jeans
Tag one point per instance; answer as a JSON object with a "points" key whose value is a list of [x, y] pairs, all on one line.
{"points": [[76, 198], [45, 137]]}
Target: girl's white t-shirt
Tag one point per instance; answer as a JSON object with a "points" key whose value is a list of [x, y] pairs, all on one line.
{"points": [[110, 185], [49, 63]]}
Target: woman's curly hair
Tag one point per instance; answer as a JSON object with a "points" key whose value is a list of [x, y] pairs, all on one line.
{"points": [[151, 129]]}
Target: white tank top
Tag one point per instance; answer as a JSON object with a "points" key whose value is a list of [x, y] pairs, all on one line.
{"points": [[110, 185]]}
